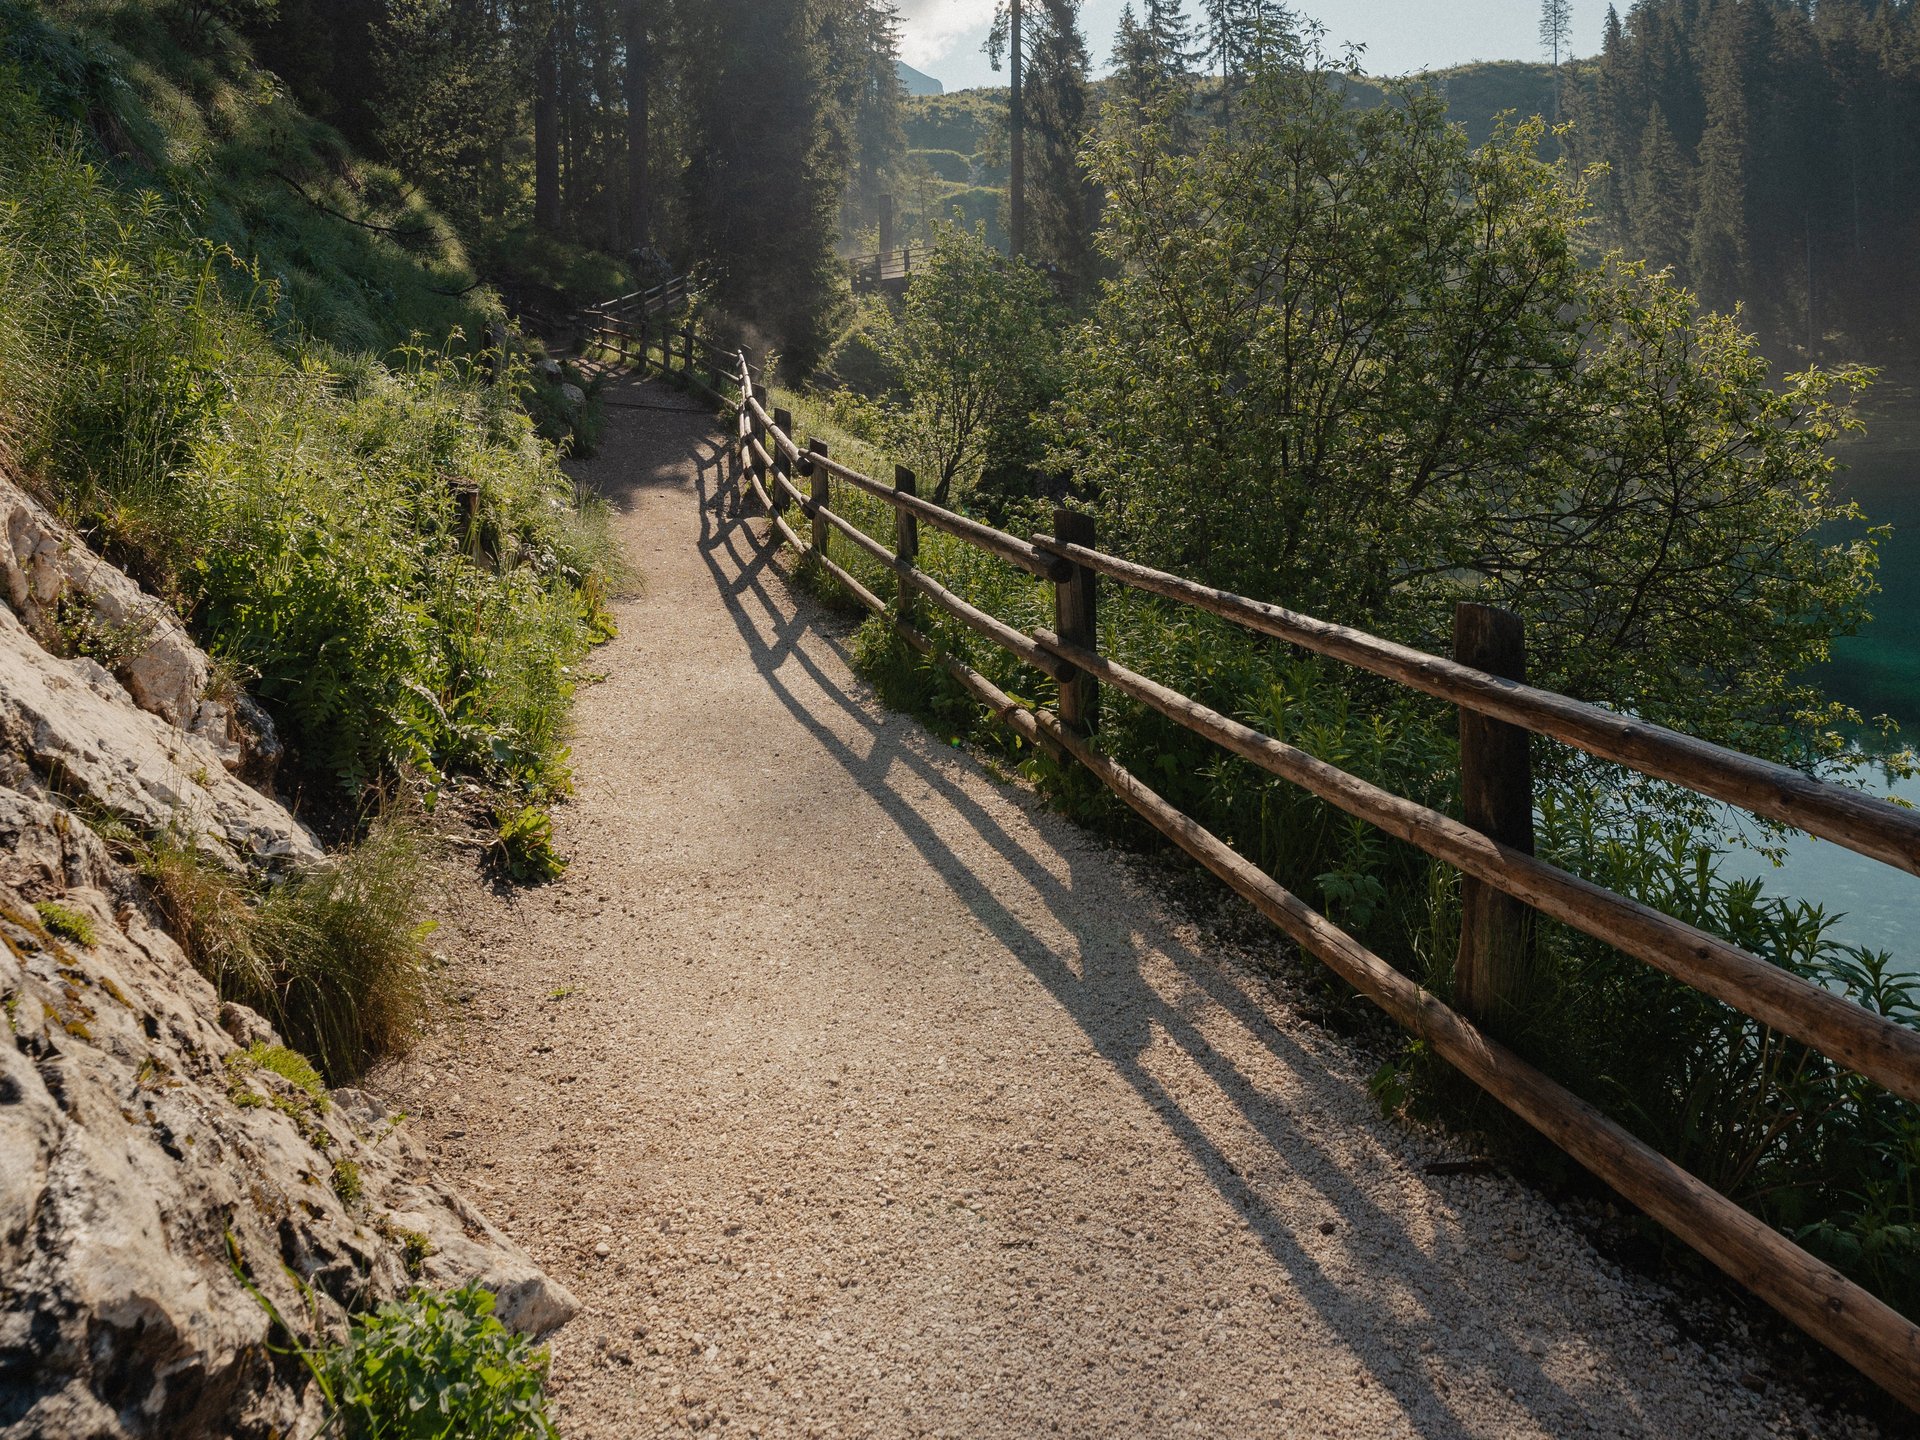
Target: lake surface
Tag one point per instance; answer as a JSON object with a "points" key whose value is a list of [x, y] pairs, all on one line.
{"points": [[1878, 673]]}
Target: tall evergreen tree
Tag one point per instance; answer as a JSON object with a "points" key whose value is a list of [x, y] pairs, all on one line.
{"points": [[1661, 199], [1556, 35], [1718, 252]]}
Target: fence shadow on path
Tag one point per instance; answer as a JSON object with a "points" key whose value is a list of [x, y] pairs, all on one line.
{"points": [[1114, 1005]]}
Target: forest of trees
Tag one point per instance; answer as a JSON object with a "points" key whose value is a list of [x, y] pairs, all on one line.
{"points": [[1766, 149], [641, 128]]}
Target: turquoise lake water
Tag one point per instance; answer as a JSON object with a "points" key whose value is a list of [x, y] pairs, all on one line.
{"points": [[1878, 673]]}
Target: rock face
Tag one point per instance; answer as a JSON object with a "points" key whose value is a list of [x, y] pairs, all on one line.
{"points": [[155, 1145], [75, 603], [78, 734], [145, 1151], [103, 701]]}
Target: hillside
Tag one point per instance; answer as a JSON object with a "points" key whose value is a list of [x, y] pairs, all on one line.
{"points": [[956, 143], [287, 560]]}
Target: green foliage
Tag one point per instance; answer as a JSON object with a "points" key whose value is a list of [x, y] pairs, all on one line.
{"points": [[300, 505], [1293, 391], [332, 956], [975, 352], [432, 1367], [522, 848], [66, 922], [1802, 1141]]}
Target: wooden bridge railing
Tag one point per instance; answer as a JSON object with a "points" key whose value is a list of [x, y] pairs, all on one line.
{"points": [[894, 266], [641, 329], [1492, 849]]}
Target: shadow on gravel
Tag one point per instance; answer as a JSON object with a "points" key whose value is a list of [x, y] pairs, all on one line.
{"points": [[1116, 1008]]}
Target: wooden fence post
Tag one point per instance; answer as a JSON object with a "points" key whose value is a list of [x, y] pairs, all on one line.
{"points": [[686, 356], [1493, 969], [906, 534], [818, 493], [1076, 620], [767, 448], [782, 464]]}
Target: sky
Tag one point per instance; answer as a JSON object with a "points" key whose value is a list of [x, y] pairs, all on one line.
{"points": [[943, 37]]}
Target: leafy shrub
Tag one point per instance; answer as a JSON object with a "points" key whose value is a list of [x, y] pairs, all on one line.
{"points": [[522, 848], [432, 1367]]}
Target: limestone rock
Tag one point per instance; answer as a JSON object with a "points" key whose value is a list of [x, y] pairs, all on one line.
{"points": [[143, 1149], [76, 728], [70, 600], [575, 397]]}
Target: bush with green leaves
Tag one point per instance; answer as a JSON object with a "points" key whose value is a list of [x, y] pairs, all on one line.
{"points": [[1352, 365], [975, 350], [436, 1367], [379, 540]]}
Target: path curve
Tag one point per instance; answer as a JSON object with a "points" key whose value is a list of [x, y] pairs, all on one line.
{"points": [[855, 1094]]}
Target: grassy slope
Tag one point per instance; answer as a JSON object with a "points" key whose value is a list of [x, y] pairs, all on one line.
{"points": [[240, 360]]}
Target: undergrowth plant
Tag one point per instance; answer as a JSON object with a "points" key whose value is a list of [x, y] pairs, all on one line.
{"points": [[437, 1367], [428, 1366], [358, 519], [332, 956]]}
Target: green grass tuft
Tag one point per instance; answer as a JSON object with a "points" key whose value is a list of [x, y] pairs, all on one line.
{"points": [[332, 956]]}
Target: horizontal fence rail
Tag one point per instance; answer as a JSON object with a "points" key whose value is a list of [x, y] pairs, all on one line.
{"points": [[892, 266], [640, 326], [1869, 1334]]}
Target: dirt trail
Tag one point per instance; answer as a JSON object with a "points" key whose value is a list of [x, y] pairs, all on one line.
{"points": [[855, 1094]]}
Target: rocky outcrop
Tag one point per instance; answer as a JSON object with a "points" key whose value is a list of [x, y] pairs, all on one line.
{"points": [[74, 603], [78, 734], [155, 1147], [170, 1176]]}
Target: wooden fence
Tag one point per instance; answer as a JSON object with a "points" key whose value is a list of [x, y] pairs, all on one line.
{"points": [[890, 267], [1503, 881], [650, 327]]}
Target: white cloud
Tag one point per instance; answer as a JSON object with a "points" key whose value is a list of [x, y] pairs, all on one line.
{"points": [[932, 27]]}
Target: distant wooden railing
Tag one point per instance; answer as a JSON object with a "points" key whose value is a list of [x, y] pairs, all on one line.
{"points": [[893, 266], [1503, 880], [651, 323]]}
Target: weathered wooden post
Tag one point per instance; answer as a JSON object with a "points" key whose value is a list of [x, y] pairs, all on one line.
{"points": [[782, 463], [1076, 620], [818, 493], [759, 392], [906, 535], [686, 356], [1493, 970]]}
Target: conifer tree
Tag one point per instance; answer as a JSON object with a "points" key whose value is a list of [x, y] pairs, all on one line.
{"points": [[1718, 253], [1661, 202]]}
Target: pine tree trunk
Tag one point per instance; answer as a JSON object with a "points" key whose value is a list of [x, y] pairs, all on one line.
{"points": [[546, 135], [638, 221], [1017, 136]]}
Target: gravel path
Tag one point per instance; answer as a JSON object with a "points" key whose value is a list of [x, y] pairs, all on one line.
{"points": [[855, 1094]]}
